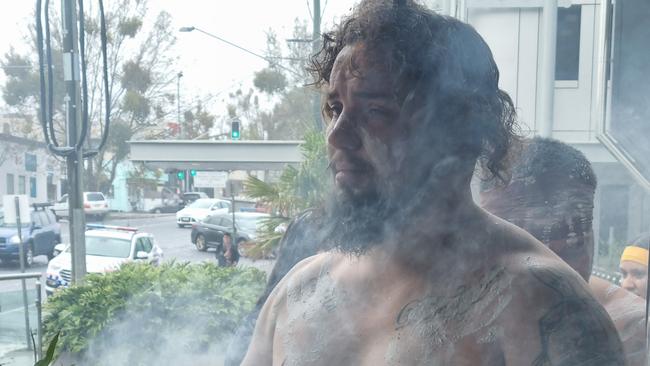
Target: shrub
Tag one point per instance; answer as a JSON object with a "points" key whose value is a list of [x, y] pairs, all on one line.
{"points": [[142, 310]]}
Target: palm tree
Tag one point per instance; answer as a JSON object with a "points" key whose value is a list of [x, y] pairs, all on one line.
{"points": [[297, 190]]}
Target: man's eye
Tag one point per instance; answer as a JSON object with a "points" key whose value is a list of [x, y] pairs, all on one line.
{"points": [[377, 112], [334, 110]]}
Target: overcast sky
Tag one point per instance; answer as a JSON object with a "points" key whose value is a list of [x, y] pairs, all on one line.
{"points": [[209, 66]]}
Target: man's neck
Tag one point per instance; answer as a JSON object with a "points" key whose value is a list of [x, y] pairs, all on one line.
{"points": [[445, 225]]}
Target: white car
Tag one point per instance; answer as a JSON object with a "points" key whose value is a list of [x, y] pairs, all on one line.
{"points": [[95, 204], [200, 209], [107, 248]]}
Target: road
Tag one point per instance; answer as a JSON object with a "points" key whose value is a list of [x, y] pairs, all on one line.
{"points": [[174, 241]]}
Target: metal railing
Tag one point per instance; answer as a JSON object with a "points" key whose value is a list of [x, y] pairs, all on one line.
{"points": [[38, 347]]}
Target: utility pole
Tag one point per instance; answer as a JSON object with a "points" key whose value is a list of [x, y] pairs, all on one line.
{"points": [[181, 128], [72, 99], [315, 48]]}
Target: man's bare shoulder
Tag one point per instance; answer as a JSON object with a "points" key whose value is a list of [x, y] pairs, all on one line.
{"points": [[260, 351], [553, 302], [303, 273], [628, 314]]}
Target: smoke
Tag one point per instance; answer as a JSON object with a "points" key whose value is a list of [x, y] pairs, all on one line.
{"points": [[174, 314], [184, 340]]}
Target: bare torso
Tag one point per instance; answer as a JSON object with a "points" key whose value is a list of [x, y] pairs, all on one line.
{"points": [[508, 301], [628, 314]]}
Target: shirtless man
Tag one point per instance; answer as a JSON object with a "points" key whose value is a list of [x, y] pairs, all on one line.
{"points": [[421, 275], [551, 195]]}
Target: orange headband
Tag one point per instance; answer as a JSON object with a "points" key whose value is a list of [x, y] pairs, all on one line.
{"points": [[635, 254]]}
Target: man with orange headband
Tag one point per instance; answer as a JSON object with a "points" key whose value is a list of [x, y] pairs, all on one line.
{"points": [[551, 196], [634, 266]]}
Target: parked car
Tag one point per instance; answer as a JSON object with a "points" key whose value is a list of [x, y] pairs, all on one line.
{"points": [[209, 232], [39, 237], [200, 209], [188, 198], [167, 208], [107, 248], [95, 204]]}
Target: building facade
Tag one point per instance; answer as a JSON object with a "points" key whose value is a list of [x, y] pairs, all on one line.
{"points": [[566, 73], [27, 168]]}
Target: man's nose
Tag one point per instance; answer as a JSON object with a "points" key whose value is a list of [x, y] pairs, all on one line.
{"points": [[343, 134], [627, 283]]}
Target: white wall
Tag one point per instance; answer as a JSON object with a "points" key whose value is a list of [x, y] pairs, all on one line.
{"points": [[13, 162], [515, 36]]}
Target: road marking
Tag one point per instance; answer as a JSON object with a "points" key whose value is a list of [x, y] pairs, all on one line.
{"points": [[22, 308]]}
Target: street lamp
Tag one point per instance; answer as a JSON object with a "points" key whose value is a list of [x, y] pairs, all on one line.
{"points": [[181, 130], [270, 61]]}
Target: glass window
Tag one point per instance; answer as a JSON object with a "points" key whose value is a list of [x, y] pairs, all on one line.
{"points": [[32, 187], [21, 184], [35, 219], [30, 162], [147, 244], [139, 246], [50, 216], [43, 218], [202, 203], [95, 196], [10, 183], [567, 58], [107, 247]]}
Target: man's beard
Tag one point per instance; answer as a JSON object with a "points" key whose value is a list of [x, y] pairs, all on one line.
{"points": [[356, 224]]}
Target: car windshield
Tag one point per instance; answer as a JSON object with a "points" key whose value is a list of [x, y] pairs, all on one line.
{"points": [[95, 196], [201, 203], [249, 224], [107, 247]]}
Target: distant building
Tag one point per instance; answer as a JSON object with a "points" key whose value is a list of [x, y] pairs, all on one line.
{"points": [[27, 168]]}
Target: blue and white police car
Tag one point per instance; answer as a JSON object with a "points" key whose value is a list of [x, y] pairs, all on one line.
{"points": [[107, 248]]}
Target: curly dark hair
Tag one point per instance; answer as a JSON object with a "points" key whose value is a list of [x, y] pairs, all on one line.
{"points": [[438, 61], [552, 164]]}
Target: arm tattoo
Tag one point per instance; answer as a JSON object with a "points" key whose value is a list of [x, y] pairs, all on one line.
{"points": [[575, 331]]}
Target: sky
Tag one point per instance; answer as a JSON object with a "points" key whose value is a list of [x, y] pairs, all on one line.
{"points": [[209, 66]]}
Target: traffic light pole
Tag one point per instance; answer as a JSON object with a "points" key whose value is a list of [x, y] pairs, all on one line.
{"points": [[72, 100]]}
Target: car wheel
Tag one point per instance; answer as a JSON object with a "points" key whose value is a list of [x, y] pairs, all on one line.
{"points": [[200, 243], [157, 211], [29, 256]]}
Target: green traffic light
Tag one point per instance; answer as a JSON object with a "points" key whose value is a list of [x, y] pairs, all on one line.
{"points": [[181, 175], [193, 173]]}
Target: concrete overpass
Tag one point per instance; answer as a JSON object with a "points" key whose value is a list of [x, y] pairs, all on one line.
{"points": [[216, 155]]}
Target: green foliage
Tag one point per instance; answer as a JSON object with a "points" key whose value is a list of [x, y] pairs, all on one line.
{"points": [[139, 71], [129, 27], [137, 105], [49, 354], [197, 121], [148, 303], [270, 81], [297, 190], [135, 77]]}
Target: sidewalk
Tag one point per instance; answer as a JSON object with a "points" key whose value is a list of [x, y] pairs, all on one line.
{"points": [[17, 357]]}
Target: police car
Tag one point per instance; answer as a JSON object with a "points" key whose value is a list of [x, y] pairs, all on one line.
{"points": [[107, 248]]}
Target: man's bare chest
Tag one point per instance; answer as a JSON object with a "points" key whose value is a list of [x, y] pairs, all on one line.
{"points": [[325, 323]]}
